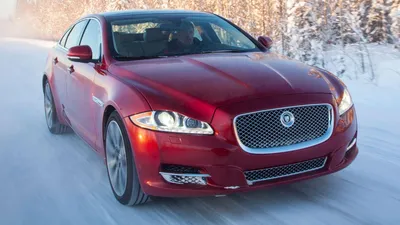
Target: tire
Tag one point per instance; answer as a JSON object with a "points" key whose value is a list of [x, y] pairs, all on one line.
{"points": [[120, 159], [53, 124]]}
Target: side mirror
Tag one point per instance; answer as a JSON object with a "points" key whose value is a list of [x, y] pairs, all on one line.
{"points": [[80, 54], [265, 41]]}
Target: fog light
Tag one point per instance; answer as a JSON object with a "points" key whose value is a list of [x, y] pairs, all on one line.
{"points": [[352, 143]]}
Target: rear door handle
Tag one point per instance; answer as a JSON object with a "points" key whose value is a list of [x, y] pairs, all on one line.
{"points": [[55, 60], [71, 69]]}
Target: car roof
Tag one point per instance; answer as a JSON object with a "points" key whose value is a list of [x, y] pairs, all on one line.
{"points": [[124, 13]]}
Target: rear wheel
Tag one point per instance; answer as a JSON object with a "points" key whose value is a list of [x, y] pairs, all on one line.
{"points": [[53, 124], [120, 164]]}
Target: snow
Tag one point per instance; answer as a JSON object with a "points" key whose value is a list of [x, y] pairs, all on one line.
{"points": [[383, 59], [49, 179]]}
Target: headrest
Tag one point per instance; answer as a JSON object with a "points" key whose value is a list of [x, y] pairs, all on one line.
{"points": [[153, 34], [120, 37]]}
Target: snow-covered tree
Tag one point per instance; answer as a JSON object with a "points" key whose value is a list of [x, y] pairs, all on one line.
{"points": [[357, 17], [116, 5], [363, 11], [338, 27], [281, 20], [395, 16], [93, 6], [310, 24], [304, 33], [378, 26]]}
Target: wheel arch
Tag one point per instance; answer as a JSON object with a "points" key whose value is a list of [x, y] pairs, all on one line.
{"points": [[116, 95], [134, 194], [44, 79], [106, 114]]}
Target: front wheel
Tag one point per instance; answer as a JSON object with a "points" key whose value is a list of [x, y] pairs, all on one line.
{"points": [[120, 164]]}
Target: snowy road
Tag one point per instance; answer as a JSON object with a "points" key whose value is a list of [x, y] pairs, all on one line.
{"points": [[47, 179]]}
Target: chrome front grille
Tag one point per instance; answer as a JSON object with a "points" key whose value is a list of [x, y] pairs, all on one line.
{"points": [[263, 131], [284, 171]]}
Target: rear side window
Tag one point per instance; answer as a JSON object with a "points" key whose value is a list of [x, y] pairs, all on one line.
{"points": [[64, 38], [74, 36], [91, 37]]}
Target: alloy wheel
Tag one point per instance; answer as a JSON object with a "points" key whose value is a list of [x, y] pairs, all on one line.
{"points": [[116, 158]]}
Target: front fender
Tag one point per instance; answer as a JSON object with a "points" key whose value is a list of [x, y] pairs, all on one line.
{"points": [[113, 94]]}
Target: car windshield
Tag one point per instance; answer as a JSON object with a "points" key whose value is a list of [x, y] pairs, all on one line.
{"points": [[154, 36]]}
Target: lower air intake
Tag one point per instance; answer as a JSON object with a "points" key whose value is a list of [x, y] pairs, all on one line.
{"points": [[171, 168], [199, 179], [284, 171]]}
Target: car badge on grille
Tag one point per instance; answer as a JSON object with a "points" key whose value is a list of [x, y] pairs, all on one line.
{"points": [[287, 119]]}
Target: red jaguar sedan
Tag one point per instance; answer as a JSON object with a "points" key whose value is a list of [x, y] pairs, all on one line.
{"points": [[186, 103]]}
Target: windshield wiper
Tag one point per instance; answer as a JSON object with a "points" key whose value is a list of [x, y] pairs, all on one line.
{"points": [[204, 52], [127, 58], [122, 57], [224, 51]]}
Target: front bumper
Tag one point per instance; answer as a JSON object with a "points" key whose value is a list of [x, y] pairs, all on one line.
{"points": [[220, 157]]}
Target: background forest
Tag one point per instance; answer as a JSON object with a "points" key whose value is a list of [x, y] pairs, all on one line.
{"points": [[317, 32]]}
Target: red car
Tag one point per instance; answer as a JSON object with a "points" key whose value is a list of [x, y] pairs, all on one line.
{"points": [[185, 103]]}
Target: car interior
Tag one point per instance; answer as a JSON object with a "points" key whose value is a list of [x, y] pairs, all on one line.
{"points": [[149, 43]]}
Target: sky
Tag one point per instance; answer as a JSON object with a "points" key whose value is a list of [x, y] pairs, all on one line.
{"points": [[7, 8]]}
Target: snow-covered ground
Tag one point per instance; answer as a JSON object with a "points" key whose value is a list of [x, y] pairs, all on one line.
{"points": [[47, 179]]}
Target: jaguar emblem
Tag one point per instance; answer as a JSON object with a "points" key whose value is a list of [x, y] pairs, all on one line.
{"points": [[287, 119]]}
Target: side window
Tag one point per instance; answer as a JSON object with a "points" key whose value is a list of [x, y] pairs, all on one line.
{"points": [[197, 34], [91, 37], [75, 34], [64, 38], [231, 37], [224, 36]]}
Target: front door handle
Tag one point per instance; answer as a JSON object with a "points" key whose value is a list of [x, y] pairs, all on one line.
{"points": [[71, 69], [55, 60]]}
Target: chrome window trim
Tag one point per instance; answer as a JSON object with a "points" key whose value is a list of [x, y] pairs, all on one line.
{"points": [[73, 25], [65, 34], [286, 175], [288, 148]]}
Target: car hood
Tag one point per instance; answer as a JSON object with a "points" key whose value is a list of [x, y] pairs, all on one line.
{"points": [[212, 80]]}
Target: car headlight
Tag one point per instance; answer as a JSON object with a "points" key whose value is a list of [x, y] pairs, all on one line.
{"points": [[169, 121], [346, 102]]}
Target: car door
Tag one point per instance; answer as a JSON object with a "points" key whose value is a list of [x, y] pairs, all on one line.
{"points": [[80, 104], [59, 69], [61, 62]]}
